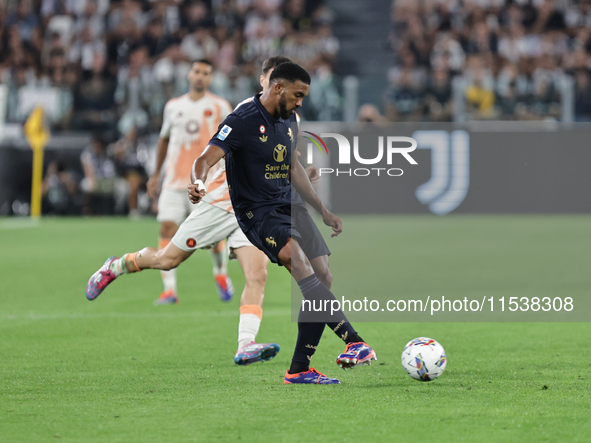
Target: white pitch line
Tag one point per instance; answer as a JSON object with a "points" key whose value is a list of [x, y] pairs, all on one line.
{"points": [[18, 224], [76, 316]]}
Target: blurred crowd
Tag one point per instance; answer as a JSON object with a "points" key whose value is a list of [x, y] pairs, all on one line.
{"points": [[111, 179], [101, 65], [108, 67], [516, 57]]}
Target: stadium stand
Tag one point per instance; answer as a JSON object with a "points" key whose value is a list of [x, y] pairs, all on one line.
{"points": [[109, 65], [515, 58]]}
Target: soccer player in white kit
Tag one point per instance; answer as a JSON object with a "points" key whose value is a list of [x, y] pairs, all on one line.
{"points": [[212, 220], [189, 122]]}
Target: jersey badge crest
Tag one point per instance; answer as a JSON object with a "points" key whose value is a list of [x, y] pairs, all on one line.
{"points": [[191, 243], [192, 127], [263, 138]]}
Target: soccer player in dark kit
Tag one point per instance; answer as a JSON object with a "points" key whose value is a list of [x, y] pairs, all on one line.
{"points": [[258, 143]]}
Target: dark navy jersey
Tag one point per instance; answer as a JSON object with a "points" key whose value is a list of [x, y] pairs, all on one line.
{"points": [[258, 151]]}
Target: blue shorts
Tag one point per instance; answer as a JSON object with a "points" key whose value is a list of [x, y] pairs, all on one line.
{"points": [[272, 231]]}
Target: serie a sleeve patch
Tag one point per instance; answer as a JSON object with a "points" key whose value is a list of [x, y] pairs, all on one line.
{"points": [[224, 132]]}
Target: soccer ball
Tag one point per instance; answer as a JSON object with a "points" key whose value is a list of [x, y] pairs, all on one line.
{"points": [[424, 359]]}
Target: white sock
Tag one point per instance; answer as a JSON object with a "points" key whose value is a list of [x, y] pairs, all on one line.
{"points": [[220, 262], [118, 267], [248, 328], [169, 280]]}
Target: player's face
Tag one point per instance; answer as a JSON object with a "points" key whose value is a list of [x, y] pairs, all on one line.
{"points": [[292, 97], [200, 76]]}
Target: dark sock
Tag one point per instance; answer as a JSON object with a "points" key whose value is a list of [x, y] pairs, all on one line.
{"points": [[344, 330], [313, 289], [296, 367], [309, 335]]}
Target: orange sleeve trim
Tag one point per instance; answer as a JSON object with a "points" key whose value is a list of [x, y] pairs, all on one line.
{"points": [[252, 309], [163, 242]]}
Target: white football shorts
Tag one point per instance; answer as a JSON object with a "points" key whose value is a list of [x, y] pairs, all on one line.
{"points": [[208, 225], [174, 206]]}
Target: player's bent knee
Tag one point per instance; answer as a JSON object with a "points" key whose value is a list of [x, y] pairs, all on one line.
{"points": [[284, 258], [284, 255], [168, 229]]}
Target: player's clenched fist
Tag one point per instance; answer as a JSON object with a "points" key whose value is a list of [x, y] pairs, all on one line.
{"points": [[313, 173], [196, 191]]}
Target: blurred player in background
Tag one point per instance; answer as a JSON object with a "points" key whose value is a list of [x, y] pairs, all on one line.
{"points": [[188, 124]]}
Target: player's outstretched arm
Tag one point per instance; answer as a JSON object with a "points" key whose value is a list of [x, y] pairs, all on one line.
{"points": [[201, 167], [300, 181]]}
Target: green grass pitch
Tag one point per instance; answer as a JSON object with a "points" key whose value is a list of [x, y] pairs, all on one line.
{"points": [[119, 369]]}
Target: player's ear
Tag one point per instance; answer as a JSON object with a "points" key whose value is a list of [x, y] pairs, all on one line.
{"points": [[278, 87], [261, 78]]}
